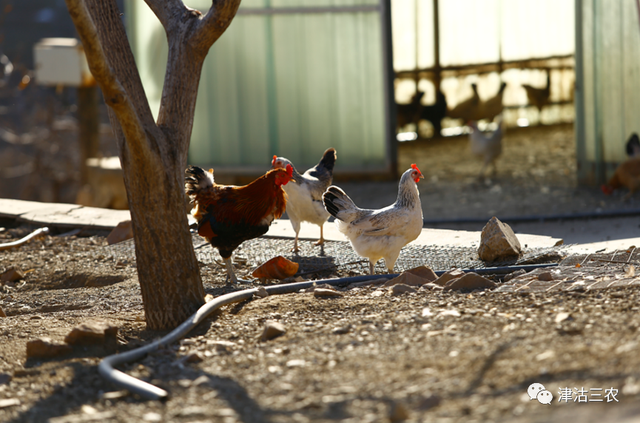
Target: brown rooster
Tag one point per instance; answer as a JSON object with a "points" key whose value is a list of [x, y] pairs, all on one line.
{"points": [[229, 215]]}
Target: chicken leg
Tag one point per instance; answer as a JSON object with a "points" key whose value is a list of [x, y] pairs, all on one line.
{"points": [[321, 240], [231, 274]]}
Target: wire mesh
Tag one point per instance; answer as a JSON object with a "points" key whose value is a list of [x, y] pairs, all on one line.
{"points": [[339, 256]]}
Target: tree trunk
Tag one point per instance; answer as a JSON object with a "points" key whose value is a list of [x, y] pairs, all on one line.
{"points": [[153, 174], [154, 156]]}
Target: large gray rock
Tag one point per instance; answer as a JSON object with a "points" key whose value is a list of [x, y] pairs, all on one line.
{"points": [[498, 242]]}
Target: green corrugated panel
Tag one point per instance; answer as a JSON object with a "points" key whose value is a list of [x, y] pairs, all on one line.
{"points": [[291, 84], [608, 79]]}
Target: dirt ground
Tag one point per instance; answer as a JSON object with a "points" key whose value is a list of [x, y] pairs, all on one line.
{"points": [[369, 356], [366, 356], [536, 176]]}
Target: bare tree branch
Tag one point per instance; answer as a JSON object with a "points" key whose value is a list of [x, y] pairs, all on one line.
{"points": [[114, 94], [167, 12], [215, 22]]}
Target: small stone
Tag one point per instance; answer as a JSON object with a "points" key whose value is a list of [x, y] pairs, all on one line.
{"points": [[431, 286], [561, 317], [327, 293], [2, 313], [429, 402], [113, 395], [423, 272], [341, 330], [296, 363], [201, 380], [11, 275], [92, 333], [401, 289], [398, 412], [452, 313], [448, 275], [497, 241], [152, 417], [545, 355], [9, 402], [222, 346], [261, 293], [631, 386], [46, 348], [272, 330], [406, 279], [122, 232], [515, 274], [545, 276], [469, 281], [194, 357], [87, 409]]}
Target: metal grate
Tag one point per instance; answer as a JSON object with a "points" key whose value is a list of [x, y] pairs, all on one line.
{"points": [[339, 256], [581, 273]]}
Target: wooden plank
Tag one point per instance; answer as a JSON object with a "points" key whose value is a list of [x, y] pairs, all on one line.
{"points": [[77, 217], [13, 209]]}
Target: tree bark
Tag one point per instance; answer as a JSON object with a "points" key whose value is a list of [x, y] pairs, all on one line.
{"points": [[154, 156]]}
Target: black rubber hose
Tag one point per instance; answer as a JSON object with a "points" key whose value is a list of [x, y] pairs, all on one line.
{"points": [[149, 391]]}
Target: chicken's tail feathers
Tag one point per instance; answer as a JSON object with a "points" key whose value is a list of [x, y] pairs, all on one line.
{"points": [[337, 201], [328, 159], [633, 145], [197, 180]]}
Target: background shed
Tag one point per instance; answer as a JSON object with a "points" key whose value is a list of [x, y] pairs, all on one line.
{"points": [[289, 77], [607, 84]]}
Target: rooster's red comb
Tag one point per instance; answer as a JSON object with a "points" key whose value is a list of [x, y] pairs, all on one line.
{"points": [[415, 167], [274, 160]]}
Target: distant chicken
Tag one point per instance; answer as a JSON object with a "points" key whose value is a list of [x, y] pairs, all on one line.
{"points": [[539, 97], [381, 233], [626, 175], [469, 108], [229, 215], [409, 113], [304, 203], [492, 107], [434, 113], [633, 145], [488, 146]]}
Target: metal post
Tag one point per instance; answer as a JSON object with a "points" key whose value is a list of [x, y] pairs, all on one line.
{"points": [[388, 78], [579, 124], [436, 47]]}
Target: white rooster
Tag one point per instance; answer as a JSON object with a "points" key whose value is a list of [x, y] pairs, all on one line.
{"points": [[304, 192], [382, 233]]}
